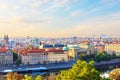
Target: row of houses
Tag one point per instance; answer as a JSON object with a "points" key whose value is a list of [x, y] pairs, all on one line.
{"points": [[41, 55], [54, 54], [36, 56]]}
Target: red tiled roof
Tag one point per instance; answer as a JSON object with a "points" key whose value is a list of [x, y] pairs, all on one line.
{"points": [[24, 51], [54, 50], [35, 51], [27, 51], [3, 49]]}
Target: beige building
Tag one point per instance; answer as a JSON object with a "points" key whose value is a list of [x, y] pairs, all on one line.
{"points": [[57, 55], [112, 47], [74, 51], [36, 56], [33, 56], [6, 56]]}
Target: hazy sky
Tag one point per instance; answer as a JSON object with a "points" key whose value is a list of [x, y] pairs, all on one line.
{"points": [[59, 18]]}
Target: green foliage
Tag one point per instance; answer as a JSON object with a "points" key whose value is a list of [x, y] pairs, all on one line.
{"points": [[26, 77], [98, 57], [18, 62], [15, 55], [80, 71], [38, 77], [87, 57], [16, 76], [102, 57]]}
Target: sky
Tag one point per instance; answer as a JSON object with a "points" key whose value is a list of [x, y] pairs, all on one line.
{"points": [[59, 18]]}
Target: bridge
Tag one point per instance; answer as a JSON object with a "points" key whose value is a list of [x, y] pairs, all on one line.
{"points": [[108, 64]]}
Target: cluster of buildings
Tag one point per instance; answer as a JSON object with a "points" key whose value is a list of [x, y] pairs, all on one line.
{"points": [[36, 51], [37, 56]]}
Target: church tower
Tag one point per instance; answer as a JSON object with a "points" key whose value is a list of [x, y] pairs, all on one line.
{"points": [[6, 40]]}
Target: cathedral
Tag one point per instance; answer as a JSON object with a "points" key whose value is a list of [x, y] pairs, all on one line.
{"points": [[6, 55]]}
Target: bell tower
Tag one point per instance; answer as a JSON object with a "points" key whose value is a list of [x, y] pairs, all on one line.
{"points": [[6, 40]]}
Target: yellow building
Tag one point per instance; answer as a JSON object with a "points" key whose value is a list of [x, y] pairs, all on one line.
{"points": [[74, 51], [113, 47], [57, 56]]}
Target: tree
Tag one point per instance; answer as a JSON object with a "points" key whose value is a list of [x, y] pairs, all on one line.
{"points": [[38, 77], [115, 74], [80, 71], [15, 55], [102, 57], [9, 76], [14, 76], [26, 77], [17, 76], [18, 62]]}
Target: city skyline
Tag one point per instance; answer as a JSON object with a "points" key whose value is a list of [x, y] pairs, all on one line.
{"points": [[59, 18]]}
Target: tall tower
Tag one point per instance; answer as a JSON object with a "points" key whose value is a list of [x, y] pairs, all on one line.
{"points": [[6, 39]]}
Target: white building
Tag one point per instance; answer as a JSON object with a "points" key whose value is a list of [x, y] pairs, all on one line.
{"points": [[57, 55], [35, 56]]}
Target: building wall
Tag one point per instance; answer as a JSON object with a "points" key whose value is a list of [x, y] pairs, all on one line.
{"points": [[112, 48], [6, 58], [34, 58], [53, 57], [71, 52]]}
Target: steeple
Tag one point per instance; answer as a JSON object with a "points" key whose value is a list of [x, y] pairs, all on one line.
{"points": [[6, 40]]}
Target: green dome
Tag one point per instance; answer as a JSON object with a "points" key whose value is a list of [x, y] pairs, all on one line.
{"points": [[65, 48]]}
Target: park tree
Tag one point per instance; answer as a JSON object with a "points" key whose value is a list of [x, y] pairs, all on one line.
{"points": [[14, 76], [80, 71], [18, 62], [17, 76], [15, 55], [38, 77], [102, 57], [9, 76], [27, 77]]}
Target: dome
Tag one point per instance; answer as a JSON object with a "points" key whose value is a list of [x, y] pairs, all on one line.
{"points": [[65, 48]]}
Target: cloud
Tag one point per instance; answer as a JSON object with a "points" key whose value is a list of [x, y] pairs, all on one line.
{"points": [[35, 12], [5, 6], [24, 1], [109, 25], [38, 3], [75, 13], [22, 19], [26, 21]]}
